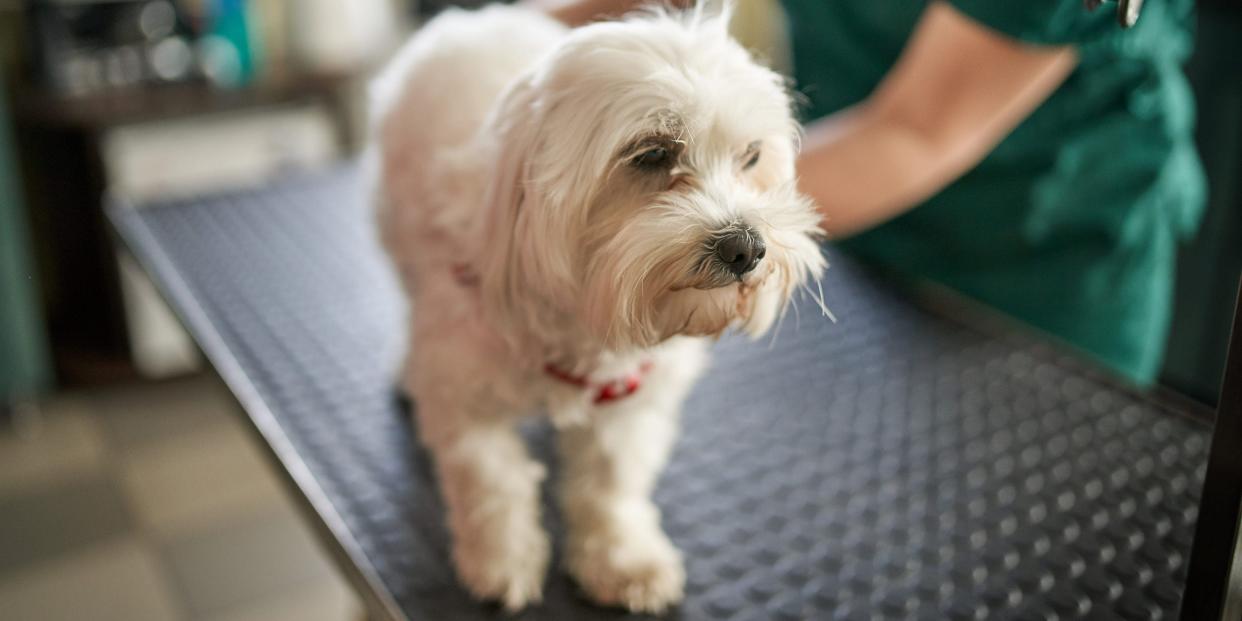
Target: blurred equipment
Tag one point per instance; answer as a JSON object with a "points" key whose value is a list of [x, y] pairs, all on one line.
{"points": [[25, 371], [156, 98], [163, 142], [331, 34], [85, 47], [226, 54]]}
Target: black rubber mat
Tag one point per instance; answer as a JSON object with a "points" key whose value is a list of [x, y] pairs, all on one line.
{"points": [[893, 465]]}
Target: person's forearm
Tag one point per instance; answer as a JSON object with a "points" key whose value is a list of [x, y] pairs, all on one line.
{"points": [[578, 12], [956, 92], [863, 169]]}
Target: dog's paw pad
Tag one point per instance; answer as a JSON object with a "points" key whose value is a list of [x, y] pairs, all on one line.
{"points": [[641, 579]]}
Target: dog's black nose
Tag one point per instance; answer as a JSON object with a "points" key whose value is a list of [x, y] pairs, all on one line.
{"points": [[739, 250]]}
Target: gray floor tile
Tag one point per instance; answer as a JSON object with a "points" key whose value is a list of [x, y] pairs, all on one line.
{"points": [[244, 561], [63, 441], [119, 580], [323, 600], [191, 481], [147, 414], [43, 522], [154, 502]]}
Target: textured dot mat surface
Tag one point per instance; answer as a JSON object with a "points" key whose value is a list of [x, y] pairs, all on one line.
{"points": [[893, 465]]}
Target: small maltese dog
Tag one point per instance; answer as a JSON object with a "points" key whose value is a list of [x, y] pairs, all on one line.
{"points": [[574, 213]]}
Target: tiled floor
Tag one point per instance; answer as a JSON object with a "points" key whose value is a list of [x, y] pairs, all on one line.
{"points": [[153, 502]]}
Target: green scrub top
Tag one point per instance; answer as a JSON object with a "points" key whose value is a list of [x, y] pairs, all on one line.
{"points": [[1072, 222]]}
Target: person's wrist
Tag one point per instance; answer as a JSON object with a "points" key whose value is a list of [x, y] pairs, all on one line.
{"points": [[579, 12], [567, 11]]}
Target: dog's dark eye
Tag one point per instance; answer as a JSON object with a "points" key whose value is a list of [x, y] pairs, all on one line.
{"points": [[654, 158], [752, 157]]}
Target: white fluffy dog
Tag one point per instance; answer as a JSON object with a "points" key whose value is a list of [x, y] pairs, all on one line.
{"points": [[573, 213]]}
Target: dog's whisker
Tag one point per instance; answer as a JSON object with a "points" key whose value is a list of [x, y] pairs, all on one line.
{"points": [[823, 307]]}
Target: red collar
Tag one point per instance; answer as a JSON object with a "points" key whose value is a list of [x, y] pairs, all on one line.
{"points": [[605, 392], [464, 274]]}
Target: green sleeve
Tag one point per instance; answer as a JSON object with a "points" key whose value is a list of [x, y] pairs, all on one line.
{"points": [[1044, 22]]}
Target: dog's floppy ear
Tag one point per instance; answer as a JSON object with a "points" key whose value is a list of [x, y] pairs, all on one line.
{"points": [[517, 258], [511, 129]]}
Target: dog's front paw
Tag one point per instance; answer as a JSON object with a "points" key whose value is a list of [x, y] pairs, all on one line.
{"points": [[642, 572], [509, 570]]}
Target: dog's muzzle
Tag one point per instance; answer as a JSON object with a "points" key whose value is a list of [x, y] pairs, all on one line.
{"points": [[738, 250]]}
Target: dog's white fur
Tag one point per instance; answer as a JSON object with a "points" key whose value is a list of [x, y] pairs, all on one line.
{"points": [[506, 145]]}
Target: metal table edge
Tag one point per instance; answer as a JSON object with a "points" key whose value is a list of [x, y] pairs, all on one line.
{"points": [[334, 534], [1214, 546]]}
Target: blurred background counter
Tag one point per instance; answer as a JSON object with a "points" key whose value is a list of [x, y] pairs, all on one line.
{"points": [[145, 99]]}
